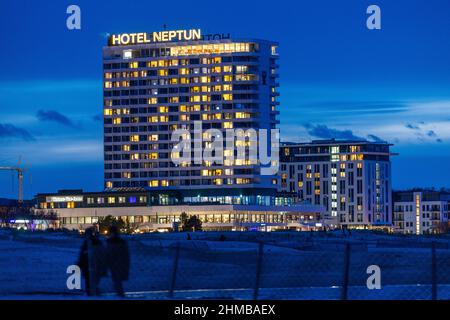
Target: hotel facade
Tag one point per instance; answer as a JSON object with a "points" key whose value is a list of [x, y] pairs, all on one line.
{"points": [[156, 83], [350, 179]]}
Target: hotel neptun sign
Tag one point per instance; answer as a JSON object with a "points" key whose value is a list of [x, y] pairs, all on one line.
{"points": [[125, 39]]}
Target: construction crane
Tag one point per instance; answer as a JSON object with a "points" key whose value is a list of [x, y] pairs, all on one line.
{"points": [[20, 172]]}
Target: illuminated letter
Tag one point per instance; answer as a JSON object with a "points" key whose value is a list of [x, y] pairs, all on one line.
{"points": [[156, 36], [74, 20], [196, 34], [373, 21], [124, 38], [115, 39], [172, 34]]}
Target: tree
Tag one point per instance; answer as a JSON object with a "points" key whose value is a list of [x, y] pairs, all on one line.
{"points": [[192, 224], [105, 222], [442, 227]]}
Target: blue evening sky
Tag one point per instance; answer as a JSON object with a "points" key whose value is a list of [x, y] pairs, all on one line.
{"points": [[337, 78]]}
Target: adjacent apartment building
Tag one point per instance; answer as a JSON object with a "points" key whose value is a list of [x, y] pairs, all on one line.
{"points": [[158, 82], [351, 179], [421, 211]]}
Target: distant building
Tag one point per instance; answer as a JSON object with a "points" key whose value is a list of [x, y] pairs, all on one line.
{"points": [[76, 209], [24, 215], [421, 211], [351, 179]]}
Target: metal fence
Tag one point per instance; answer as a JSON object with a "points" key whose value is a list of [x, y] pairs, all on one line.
{"points": [[238, 266]]}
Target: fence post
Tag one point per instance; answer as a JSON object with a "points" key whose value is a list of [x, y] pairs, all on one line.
{"points": [[433, 272], [344, 294], [91, 269], [258, 270], [174, 270]]}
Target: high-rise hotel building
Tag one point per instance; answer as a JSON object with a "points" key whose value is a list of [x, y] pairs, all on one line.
{"points": [[155, 83], [351, 179]]}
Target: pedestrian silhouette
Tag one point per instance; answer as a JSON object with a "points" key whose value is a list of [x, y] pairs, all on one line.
{"points": [[118, 258], [92, 261]]}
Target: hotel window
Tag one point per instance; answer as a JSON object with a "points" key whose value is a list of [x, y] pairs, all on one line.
{"points": [[153, 155], [133, 65], [153, 183], [227, 125], [227, 97], [273, 50], [117, 121], [152, 64], [111, 200], [227, 68]]}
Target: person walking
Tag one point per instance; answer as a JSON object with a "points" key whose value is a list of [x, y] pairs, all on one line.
{"points": [[92, 261], [118, 259]]}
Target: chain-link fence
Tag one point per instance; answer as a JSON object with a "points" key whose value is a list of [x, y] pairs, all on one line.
{"points": [[237, 266]]}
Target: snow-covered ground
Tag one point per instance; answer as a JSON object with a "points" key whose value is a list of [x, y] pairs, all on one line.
{"points": [[293, 265]]}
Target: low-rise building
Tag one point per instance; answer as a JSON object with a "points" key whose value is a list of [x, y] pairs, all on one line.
{"points": [[421, 211], [144, 211]]}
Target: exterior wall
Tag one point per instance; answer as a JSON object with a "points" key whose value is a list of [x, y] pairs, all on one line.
{"points": [[218, 216], [231, 84], [354, 187], [419, 215]]}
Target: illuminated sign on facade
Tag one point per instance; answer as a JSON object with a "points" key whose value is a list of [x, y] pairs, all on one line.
{"points": [[65, 199], [157, 36]]}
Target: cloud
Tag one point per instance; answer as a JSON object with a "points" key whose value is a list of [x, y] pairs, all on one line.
{"points": [[412, 126], [10, 131], [97, 117], [104, 35], [422, 133], [55, 116], [375, 138], [323, 132]]}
